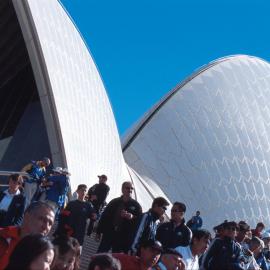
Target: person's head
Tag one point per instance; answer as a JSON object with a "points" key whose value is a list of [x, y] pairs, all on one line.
{"points": [[45, 162], [230, 229], [159, 206], [38, 218], [171, 259], [198, 213], [127, 189], [260, 227], [243, 233], [14, 182], [200, 241], [150, 251], [82, 191], [256, 245], [33, 252], [104, 262], [266, 239], [178, 211], [67, 253], [102, 178], [218, 229]]}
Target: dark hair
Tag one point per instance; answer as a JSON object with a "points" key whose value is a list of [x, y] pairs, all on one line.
{"points": [[180, 206], [36, 206], [260, 224], [243, 226], [104, 261], [160, 201], [229, 224], [199, 234], [15, 177], [65, 244], [126, 182], [81, 186], [27, 250]]}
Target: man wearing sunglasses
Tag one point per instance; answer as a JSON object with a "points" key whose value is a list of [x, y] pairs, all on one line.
{"points": [[12, 202], [147, 226], [175, 232], [118, 222], [224, 253]]}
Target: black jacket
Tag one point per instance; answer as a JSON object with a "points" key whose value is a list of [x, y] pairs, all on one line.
{"points": [[101, 190], [14, 214], [171, 236], [72, 220], [111, 222]]}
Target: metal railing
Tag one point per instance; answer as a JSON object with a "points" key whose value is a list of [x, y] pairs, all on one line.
{"points": [[7, 173]]}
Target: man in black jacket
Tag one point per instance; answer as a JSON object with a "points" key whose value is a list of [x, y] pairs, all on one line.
{"points": [[12, 202], [118, 222], [175, 232], [97, 195]]}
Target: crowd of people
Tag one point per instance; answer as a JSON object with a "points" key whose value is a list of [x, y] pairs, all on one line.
{"points": [[128, 238]]}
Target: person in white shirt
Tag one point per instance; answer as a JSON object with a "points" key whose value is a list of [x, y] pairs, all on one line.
{"points": [[170, 260], [12, 202], [199, 244]]}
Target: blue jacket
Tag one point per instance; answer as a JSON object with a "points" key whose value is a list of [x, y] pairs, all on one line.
{"points": [[146, 229], [223, 254], [36, 173], [58, 190], [14, 214]]}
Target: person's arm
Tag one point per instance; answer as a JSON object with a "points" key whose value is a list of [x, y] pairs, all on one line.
{"points": [[210, 253], [27, 167], [200, 222], [139, 233], [106, 217], [20, 206], [187, 235], [160, 233], [103, 195]]}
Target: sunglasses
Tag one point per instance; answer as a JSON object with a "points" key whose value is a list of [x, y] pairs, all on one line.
{"points": [[129, 188], [176, 211], [232, 229]]}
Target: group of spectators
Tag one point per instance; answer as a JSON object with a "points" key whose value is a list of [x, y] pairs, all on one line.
{"points": [[128, 238]]}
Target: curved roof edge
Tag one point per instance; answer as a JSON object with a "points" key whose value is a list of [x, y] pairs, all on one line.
{"points": [[133, 132], [42, 79]]}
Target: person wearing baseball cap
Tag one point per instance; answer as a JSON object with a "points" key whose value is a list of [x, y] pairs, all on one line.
{"points": [[97, 195]]}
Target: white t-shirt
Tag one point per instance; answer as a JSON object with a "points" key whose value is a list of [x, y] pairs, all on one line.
{"points": [[192, 262]]}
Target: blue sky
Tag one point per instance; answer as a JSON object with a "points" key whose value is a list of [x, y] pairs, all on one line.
{"points": [[144, 48]]}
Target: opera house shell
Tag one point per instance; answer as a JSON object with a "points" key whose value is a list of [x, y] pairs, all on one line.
{"points": [[62, 107], [206, 143]]}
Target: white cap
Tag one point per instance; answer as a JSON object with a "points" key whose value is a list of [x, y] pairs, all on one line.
{"points": [[66, 172], [58, 169]]}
